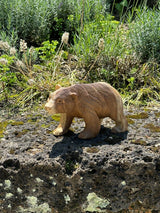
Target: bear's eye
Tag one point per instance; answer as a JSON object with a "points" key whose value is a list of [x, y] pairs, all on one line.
{"points": [[59, 101]]}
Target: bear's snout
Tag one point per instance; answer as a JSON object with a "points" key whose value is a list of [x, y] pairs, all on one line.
{"points": [[49, 107]]}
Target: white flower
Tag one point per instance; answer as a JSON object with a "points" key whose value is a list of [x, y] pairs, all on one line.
{"points": [[3, 61], [13, 51], [101, 43], [4, 45], [23, 46], [65, 37]]}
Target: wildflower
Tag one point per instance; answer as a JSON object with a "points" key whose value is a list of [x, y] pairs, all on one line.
{"points": [[101, 43], [13, 51], [3, 61], [23, 46], [20, 64], [65, 37], [4, 45]]}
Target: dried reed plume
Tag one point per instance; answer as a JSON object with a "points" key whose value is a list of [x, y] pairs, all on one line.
{"points": [[23, 46], [65, 38], [101, 43]]}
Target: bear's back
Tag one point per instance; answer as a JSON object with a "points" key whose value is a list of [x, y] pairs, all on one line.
{"points": [[99, 90], [100, 96]]}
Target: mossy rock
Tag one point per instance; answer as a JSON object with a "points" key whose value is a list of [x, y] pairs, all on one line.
{"points": [[139, 142], [45, 125], [152, 127], [56, 117], [142, 115], [130, 121], [3, 126], [92, 150], [16, 123]]}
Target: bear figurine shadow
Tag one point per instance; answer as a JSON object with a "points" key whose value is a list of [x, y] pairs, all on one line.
{"points": [[70, 143]]}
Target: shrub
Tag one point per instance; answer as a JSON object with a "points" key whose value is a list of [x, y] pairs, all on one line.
{"points": [[112, 63], [30, 19], [145, 35], [86, 44], [36, 21]]}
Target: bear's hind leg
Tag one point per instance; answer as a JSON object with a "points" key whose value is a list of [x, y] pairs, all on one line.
{"points": [[121, 125], [65, 122], [92, 127]]}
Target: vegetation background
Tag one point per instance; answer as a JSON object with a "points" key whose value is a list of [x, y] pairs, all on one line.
{"points": [[110, 40]]}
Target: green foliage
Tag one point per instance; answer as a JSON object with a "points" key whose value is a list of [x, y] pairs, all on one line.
{"points": [[145, 35], [86, 44], [36, 21], [30, 19], [10, 37], [47, 51], [7, 76], [120, 8]]}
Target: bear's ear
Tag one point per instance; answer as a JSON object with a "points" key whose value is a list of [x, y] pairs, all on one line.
{"points": [[57, 86], [73, 95]]}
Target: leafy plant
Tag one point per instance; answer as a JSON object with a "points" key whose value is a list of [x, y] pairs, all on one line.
{"points": [[47, 50], [7, 77]]}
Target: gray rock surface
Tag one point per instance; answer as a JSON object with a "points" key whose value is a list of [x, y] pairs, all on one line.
{"points": [[111, 173]]}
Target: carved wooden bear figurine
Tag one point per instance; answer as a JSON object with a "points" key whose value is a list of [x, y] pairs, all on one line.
{"points": [[92, 102]]}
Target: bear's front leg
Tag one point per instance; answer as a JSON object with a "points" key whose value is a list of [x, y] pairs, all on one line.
{"points": [[65, 122], [93, 125]]}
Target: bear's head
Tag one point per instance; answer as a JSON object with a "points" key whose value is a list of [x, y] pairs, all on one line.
{"points": [[61, 101]]}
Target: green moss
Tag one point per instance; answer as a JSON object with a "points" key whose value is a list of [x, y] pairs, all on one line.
{"points": [[16, 123], [56, 117], [45, 126], [31, 115], [142, 115], [32, 120], [3, 126], [152, 127], [147, 110], [92, 150], [139, 142], [49, 132], [130, 121]]}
